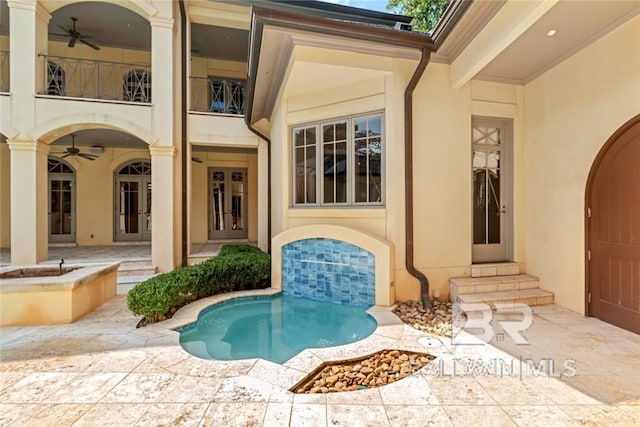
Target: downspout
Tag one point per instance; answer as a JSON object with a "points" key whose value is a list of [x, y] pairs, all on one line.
{"points": [[408, 175], [268, 141], [183, 130]]}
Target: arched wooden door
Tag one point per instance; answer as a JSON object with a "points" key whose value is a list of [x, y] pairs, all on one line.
{"points": [[613, 230]]}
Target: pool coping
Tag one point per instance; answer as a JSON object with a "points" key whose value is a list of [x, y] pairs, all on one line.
{"points": [[164, 348]]}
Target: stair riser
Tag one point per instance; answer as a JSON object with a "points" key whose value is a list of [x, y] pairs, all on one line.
{"points": [[542, 300], [457, 290], [489, 270], [135, 263], [137, 272]]}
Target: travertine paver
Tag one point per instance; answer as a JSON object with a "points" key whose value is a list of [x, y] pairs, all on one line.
{"points": [[101, 369]]}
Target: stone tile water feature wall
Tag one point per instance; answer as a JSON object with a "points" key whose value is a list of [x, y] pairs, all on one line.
{"points": [[329, 270]]}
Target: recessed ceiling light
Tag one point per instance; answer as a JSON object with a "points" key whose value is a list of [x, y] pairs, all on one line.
{"points": [[551, 33]]}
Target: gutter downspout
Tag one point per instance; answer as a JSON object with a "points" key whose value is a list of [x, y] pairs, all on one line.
{"points": [[408, 175], [268, 141], [183, 130]]}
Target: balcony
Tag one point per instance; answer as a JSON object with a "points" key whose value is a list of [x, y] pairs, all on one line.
{"points": [[218, 96], [94, 79], [4, 71]]}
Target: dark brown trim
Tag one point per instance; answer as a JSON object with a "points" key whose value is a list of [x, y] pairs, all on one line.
{"points": [[448, 21], [592, 173], [408, 176], [268, 141], [183, 135]]}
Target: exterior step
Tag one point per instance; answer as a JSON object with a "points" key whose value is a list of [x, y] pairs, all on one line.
{"points": [[198, 259], [495, 269], [474, 285], [136, 270], [131, 262], [525, 296], [133, 279]]}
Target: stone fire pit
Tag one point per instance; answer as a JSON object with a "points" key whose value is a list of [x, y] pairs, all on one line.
{"points": [[33, 299]]}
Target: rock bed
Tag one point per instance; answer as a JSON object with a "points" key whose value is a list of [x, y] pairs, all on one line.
{"points": [[384, 367], [435, 320]]}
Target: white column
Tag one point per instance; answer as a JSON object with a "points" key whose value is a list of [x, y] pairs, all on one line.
{"points": [[263, 195], [164, 187], [165, 152], [29, 195], [28, 38]]}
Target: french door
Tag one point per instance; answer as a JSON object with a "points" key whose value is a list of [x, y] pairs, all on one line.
{"points": [[227, 203], [490, 171], [62, 203], [133, 208]]}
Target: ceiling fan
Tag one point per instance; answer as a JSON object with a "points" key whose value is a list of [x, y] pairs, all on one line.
{"points": [[75, 35], [73, 151]]}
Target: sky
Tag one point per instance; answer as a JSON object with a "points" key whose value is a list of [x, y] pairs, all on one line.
{"points": [[379, 5]]}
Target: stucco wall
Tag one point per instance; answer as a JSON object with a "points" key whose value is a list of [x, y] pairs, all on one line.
{"points": [[570, 113]]}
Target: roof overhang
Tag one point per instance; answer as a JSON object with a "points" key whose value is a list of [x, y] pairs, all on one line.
{"points": [[275, 35]]}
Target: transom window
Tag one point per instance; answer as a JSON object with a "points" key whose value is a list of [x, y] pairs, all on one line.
{"points": [[339, 162]]}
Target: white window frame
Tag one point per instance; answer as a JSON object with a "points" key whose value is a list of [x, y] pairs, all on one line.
{"points": [[351, 181]]}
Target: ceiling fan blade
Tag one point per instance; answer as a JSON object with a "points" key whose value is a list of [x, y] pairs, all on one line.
{"points": [[87, 156], [197, 159], [91, 45], [66, 30], [72, 42]]}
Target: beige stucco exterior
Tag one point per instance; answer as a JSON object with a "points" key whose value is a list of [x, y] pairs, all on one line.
{"points": [[557, 124]]}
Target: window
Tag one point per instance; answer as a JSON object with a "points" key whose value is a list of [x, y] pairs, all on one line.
{"points": [[137, 86], [55, 79], [226, 96], [347, 153]]}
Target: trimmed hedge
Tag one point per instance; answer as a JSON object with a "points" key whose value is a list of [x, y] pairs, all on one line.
{"points": [[235, 268]]}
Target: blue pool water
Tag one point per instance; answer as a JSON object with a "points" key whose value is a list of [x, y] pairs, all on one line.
{"points": [[274, 328]]}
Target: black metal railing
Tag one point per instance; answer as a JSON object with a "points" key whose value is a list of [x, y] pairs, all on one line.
{"points": [[214, 95], [4, 71], [95, 79]]}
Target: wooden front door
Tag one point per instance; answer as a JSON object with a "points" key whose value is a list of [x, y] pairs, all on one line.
{"points": [[613, 230]]}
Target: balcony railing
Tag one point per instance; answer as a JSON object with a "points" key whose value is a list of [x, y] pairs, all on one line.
{"points": [[85, 78], [217, 95], [4, 71]]}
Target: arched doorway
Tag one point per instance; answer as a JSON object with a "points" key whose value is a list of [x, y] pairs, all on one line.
{"points": [[133, 201], [613, 230], [61, 202]]}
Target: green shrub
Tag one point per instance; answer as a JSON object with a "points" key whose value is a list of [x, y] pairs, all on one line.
{"points": [[236, 267]]}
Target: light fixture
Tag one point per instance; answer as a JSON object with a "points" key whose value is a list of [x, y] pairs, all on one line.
{"points": [[96, 149], [551, 33]]}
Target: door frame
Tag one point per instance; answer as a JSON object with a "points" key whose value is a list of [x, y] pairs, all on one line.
{"points": [[229, 234], [506, 166], [143, 180], [62, 238], [613, 139]]}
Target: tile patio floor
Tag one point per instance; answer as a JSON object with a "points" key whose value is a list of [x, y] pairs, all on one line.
{"points": [[101, 370]]}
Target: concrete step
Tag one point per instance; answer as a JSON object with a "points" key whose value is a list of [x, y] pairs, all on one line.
{"points": [[137, 262], [136, 270], [530, 297], [495, 269], [475, 285], [133, 279], [198, 259]]}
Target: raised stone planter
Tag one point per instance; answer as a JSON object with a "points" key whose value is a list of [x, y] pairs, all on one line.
{"points": [[55, 299]]}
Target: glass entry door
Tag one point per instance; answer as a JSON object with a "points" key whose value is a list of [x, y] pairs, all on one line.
{"points": [[490, 204], [227, 203], [61, 203], [133, 208]]}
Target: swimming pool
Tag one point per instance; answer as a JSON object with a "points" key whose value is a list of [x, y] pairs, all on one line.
{"points": [[274, 328]]}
